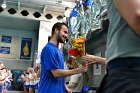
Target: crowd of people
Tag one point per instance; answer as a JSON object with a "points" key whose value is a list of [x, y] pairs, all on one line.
{"points": [[30, 79], [5, 78]]}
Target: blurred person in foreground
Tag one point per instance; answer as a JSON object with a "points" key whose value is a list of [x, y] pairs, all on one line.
{"points": [[122, 48], [52, 63]]}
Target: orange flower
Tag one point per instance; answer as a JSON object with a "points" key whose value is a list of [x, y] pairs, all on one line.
{"points": [[78, 42], [73, 52]]}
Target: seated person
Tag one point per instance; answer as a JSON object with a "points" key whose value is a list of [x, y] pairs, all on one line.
{"points": [[76, 81]]}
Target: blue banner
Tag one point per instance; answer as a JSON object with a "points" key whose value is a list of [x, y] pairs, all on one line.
{"points": [[4, 50], [6, 39], [26, 44]]}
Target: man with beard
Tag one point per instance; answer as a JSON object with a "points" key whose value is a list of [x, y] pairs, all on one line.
{"points": [[52, 63]]}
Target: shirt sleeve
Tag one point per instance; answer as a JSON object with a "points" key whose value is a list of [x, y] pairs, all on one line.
{"points": [[74, 78]]}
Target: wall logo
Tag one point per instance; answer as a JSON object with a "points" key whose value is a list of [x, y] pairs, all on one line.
{"points": [[26, 48]]}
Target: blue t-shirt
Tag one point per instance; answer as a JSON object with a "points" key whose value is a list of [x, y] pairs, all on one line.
{"points": [[51, 58], [0, 88]]}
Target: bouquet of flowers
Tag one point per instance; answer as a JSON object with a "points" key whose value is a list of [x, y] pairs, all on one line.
{"points": [[78, 47], [77, 51]]}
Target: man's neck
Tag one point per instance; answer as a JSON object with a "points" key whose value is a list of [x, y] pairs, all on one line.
{"points": [[54, 41]]}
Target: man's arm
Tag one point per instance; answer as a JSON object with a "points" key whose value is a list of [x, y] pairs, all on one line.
{"points": [[61, 72], [130, 11], [74, 79], [91, 59], [72, 85]]}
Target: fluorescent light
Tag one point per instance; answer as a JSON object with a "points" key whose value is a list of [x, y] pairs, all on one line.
{"points": [[4, 4], [69, 4]]}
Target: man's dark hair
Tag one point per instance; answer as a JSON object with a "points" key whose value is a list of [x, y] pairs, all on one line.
{"points": [[58, 26]]}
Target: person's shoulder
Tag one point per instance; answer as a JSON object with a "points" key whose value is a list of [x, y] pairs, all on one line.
{"points": [[75, 75], [79, 75], [48, 46]]}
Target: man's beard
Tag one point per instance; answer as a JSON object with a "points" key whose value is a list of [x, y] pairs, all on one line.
{"points": [[59, 39]]}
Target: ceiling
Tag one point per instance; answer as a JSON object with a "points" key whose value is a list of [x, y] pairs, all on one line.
{"points": [[40, 5]]}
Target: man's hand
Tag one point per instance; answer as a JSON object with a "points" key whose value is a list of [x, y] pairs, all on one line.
{"points": [[91, 59], [83, 68]]}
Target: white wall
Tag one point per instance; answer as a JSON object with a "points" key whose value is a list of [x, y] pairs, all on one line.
{"points": [[44, 32], [18, 63]]}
